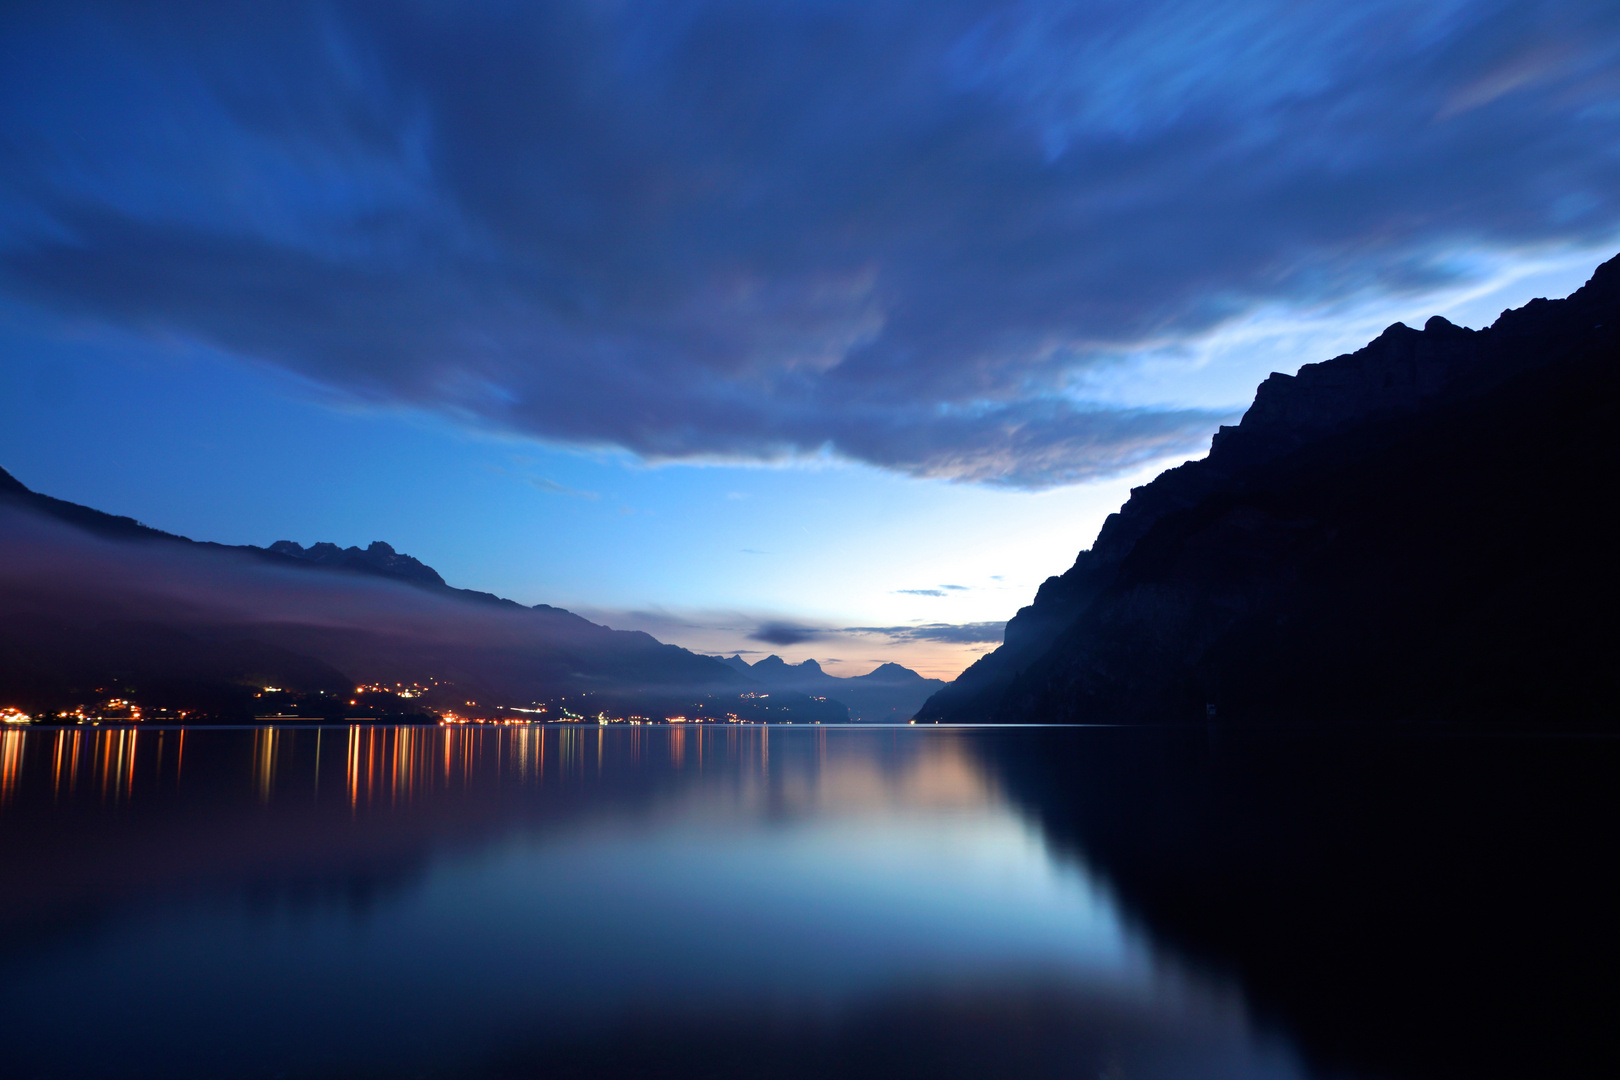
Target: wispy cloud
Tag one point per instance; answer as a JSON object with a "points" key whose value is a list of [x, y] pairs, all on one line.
{"points": [[952, 633], [552, 487], [943, 590]]}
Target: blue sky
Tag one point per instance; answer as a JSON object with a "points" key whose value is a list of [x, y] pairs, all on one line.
{"points": [[803, 322]]}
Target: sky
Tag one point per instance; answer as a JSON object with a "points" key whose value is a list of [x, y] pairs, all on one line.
{"points": [[824, 329]]}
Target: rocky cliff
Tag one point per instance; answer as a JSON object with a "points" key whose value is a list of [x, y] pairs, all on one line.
{"points": [[1413, 529]]}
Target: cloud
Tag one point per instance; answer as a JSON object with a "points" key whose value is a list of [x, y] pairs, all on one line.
{"points": [[555, 488], [1521, 71], [785, 633], [951, 633], [920, 592], [895, 233]]}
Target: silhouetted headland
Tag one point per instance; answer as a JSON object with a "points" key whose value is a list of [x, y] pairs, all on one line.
{"points": [[1417, 530]]}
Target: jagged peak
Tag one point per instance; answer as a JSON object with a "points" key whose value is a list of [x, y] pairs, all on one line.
{"points": [[378, 558], [1394, 372], [1604, 282]]}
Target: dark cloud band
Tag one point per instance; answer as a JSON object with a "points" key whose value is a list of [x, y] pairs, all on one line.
{"points": [[785, 633], [893, 232]]}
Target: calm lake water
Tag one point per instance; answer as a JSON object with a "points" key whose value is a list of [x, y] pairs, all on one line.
{"points": [[750, 901]]}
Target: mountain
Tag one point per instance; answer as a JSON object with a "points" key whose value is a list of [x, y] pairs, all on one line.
{"points": [[1414, 530], [735, 663], [888, 694], [378, 558], [97, 606]]}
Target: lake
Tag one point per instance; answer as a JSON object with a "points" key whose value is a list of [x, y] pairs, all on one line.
{"points": [[804, 901]]}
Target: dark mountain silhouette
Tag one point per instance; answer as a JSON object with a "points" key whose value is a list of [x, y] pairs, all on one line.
{"points": [[95, 604], [889, 694], [379, 559], [1416, 529]]}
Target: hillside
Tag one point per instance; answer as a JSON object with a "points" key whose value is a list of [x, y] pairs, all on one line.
{"points": [[94, 606], [1413, 530]]}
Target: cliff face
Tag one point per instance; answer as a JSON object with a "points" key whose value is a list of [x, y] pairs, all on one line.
{"points": [[1415, 528]]}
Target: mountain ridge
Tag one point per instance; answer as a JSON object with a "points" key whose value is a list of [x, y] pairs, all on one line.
{"points": [[889, 693], [1312, 427], [379, 559], [91, 600]]}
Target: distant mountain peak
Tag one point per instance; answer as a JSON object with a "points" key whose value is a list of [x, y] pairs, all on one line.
{"points": [[892, 672], [378, 558]]}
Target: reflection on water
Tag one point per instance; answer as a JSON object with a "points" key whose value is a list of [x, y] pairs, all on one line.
{"points": [[480, 901], [11, 744], [106, 759], [395, 765]]}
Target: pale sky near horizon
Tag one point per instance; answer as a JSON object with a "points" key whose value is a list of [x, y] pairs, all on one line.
{"points": [[828, 329]]}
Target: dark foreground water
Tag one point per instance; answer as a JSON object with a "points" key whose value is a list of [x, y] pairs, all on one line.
{"points": [[797, 902]]}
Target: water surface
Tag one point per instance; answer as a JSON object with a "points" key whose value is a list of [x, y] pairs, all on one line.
{"points": [[736, 901], [446, 901]]}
